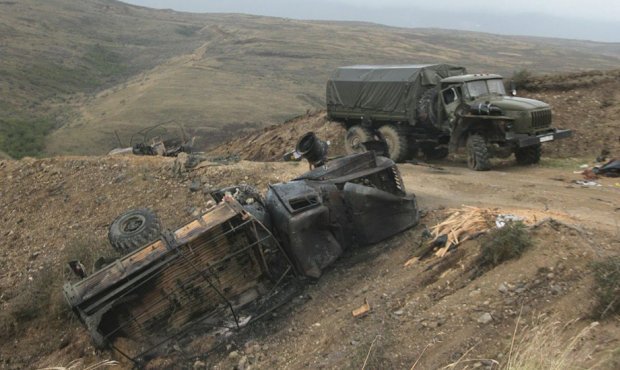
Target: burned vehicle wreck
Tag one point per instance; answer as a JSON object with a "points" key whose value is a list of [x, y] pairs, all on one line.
{"points": [[245, 256]]}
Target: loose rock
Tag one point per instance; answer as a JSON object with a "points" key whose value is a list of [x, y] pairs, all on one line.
{"points": [[485, 318]]}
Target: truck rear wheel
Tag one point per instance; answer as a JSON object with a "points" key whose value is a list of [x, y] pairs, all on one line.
{"points": [[355, 136], [477, 153], [133, 229], [528, 155], [397, 142]]}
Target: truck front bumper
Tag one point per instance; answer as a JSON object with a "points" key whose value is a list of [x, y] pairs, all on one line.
{"points": [[524, 140]]}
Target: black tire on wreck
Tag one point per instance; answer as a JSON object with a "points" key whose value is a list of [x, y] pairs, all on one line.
{"points": [[528, 155], [477, 153], [133, 229]]}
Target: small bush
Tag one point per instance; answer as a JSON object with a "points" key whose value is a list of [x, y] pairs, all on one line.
{"points": [[522, 79], [607, 288], [503, 244]]}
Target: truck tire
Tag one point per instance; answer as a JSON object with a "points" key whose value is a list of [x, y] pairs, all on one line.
{"points": [[397, 142], [133, 229], [528, 155], [477, 153], [355, 136], [426, 107]]}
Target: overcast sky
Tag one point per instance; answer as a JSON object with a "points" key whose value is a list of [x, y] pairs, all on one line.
{"points": [[578, 19]]}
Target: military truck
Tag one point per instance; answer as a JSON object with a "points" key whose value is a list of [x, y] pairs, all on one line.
{"points": [[437, 109]]}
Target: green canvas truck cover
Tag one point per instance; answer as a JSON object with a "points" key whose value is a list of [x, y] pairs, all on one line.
{"points": [[383, 88]]}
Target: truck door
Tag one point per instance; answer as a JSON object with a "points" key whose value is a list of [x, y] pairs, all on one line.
{"points": [[451, 99]]}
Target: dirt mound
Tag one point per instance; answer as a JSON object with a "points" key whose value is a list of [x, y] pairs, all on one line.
{"points": [[587, 103], [271, 143]]}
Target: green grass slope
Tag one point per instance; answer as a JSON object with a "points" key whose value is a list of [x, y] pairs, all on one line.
{"points": [[53, 49]]}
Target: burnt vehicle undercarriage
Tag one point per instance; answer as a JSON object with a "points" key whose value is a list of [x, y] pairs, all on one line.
{"points": [[242, 258]]}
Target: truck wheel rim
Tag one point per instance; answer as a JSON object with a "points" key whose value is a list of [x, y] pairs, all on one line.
{"points": [[133, 224]]}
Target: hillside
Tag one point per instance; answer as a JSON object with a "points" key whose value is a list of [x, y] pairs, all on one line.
{"points": [[252, 71], [94, 67], [59, 209], [55, 52]]}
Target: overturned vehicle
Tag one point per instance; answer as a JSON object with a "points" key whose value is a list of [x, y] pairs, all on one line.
{"points": [[242, 258]]}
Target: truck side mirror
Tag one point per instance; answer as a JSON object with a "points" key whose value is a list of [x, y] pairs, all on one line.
{"points": [[513, 88]]}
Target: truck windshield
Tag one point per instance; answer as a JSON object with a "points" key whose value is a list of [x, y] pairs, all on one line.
{"points": [[485, 87]]}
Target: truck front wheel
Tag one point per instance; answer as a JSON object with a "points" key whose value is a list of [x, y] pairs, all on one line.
{"points": [[477, 153], [528, 155], [356, 135], [397, 142]]}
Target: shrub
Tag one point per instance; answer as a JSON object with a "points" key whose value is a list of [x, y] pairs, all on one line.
{"points": [[522, 79], [505, 243], [607, 286]]}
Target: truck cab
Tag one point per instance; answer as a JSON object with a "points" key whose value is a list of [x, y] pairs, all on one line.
{"points": [[477, 105]]}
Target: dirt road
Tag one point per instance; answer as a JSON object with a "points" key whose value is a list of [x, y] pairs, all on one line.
{"points": [[538, 188]]}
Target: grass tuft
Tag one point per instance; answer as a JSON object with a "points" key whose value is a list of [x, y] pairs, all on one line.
{"points": [[548, 346], [607, 286]]}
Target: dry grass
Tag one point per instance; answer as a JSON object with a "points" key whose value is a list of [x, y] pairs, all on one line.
{"points": [[79, 365], [550, 346], [40, 295], [607, 286]]}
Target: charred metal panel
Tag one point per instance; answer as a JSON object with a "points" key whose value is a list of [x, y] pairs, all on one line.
{"points": [[357, 199], [302, 223], [377, 214], [200, 276]]}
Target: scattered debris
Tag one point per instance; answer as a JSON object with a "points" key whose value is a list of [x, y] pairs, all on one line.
{"points": [[362, 310], [462, 225], [155, 145], [586, 183], [609, 169], [589, 174], [501, 220]]}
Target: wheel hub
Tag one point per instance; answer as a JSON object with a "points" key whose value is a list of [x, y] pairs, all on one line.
{"points": [[133, 224]]}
